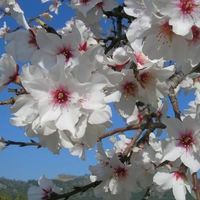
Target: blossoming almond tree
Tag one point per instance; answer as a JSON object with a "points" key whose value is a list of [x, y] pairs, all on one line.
{"points": [[68, 79]]}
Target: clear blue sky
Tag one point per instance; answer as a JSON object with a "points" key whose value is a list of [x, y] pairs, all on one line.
{"points": [[29, 162]]}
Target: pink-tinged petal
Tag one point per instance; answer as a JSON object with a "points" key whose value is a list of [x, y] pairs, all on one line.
{"points": [[172, 152], [179, 190], [45, 183]]}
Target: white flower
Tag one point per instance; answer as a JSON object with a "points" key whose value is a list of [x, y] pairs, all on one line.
{"points": [[159, 36], [51, 46], [176, 180], [21, 44], [184, 143], [8, 71], [45, 190], [183, 14]]}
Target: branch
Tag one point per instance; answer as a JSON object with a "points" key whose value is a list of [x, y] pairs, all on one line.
{"points": [[75, 191], [118, 130], [132, 143], [20, 144], [7, 102], [174, 81]]}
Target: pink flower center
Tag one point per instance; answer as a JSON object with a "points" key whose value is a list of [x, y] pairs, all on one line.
{"points": [[129, 89], [32, 39], [120, 172], [196, 35], [67, 52], [61, 96], [140, 58], [187, 6], [165, 32], [84, 1], [179, 175], [186, 140], [14, 77], [145, 79], [100, 5], [46, 193], [83, 47]]}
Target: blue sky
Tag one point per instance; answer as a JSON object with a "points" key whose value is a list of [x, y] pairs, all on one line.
{"points": [[29, 162]]}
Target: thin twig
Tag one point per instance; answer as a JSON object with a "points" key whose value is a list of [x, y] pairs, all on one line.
{"points": [[7, 102], [20, 144], [118, 130], [196, 185]]}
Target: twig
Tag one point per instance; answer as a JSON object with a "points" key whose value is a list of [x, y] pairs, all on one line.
{"points": [[118, 130], [132, 143], [75, 191], [147, 193], [20, 144], [196, 185], [7, 102]]}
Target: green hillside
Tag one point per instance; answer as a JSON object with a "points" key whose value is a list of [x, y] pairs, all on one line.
{"points": [[17, 190]]}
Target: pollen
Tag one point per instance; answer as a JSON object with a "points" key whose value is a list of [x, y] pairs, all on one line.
{"points": [[179, 175], [120, 172], [67, 52], [129, 89], [186, 140], [187, 7], [165, 32], [61, 96]]}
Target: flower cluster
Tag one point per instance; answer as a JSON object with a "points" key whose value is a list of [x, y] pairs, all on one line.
{"points": [[71, 77]]}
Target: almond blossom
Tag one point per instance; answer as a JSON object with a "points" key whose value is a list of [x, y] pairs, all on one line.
{"points": [[8, 71], [175, 180], [45, 190], [183, 14], [184, 143]]}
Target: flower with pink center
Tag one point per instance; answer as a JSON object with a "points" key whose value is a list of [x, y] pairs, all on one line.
{"points": [[8, 71], [120, 172], [184, 143], [183, 14], [159, 39], [177, 181], [61, 96], [129, 88], [186, 140], [45, 190], [130, 91], [116, 178], [152, 79], [51, 47], [21, 44]]}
